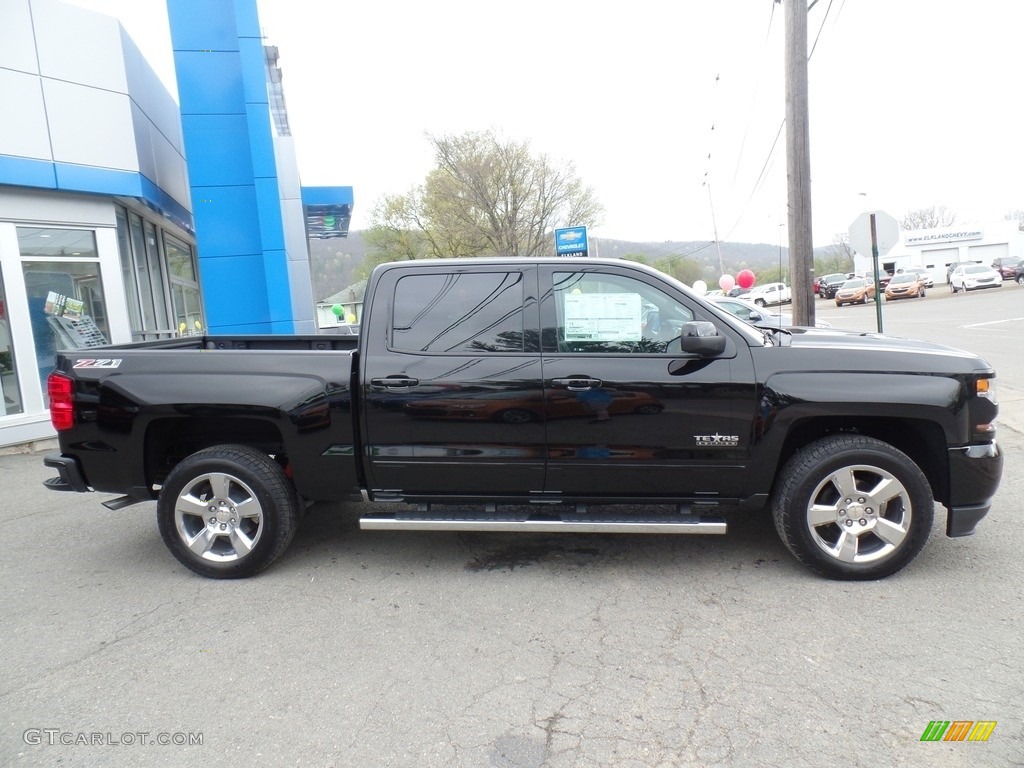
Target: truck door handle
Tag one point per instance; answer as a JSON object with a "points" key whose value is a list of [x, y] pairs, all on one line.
{"points": [[395, 382], [576, 384]]}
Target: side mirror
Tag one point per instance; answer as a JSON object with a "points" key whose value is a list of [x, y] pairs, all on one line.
{"points": [[754, 317], [701, 338]]}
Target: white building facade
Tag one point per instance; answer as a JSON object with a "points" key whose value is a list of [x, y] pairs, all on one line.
{"points": [[936, 249]]}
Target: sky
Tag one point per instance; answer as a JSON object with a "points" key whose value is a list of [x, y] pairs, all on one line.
{"points": [[670, 111]]}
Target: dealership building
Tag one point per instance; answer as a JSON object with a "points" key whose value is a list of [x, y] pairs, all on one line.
{"points": [[127, 216], [936, 249]]}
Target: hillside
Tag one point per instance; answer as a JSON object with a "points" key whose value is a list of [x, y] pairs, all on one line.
{"points": [[334, 262]]}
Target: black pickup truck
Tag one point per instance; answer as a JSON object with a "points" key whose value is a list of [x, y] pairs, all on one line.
{"points": [[541, 395]]}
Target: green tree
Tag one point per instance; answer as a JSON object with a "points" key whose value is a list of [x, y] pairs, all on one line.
{"points": [[838, 257], [486, 197]]}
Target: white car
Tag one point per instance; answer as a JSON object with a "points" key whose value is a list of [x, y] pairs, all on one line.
{"points": [[757, 316], [968, 277], [769, 293]]}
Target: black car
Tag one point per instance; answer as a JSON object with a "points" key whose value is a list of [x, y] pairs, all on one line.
{"points": [[829, 284]]}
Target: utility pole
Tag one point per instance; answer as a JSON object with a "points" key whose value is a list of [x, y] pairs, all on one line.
{"points": [[798, 164]]}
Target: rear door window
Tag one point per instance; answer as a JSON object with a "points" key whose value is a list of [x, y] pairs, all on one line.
{"points": [[464, 312]]}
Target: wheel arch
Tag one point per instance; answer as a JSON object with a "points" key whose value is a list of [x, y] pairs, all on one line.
{"points": [[921, 440]]}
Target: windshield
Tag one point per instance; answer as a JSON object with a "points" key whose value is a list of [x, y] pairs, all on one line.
{"points": [[904, 278], [976, 269], [853, 284]]}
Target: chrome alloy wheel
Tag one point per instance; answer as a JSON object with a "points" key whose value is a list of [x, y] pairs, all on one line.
{"points": [[859, 514], [218, 517]]}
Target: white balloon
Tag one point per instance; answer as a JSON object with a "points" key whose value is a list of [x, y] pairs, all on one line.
{"points": [[700, 287]]}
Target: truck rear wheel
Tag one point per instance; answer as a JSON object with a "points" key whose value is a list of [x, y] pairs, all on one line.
{"points": [[854, 508], [227, 512]]}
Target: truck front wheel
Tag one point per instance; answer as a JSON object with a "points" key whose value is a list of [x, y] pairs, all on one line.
{"points": [[227, 512], [854, 508]]}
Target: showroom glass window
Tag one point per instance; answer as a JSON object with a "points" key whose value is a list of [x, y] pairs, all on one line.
{"points": [[188, 312], [143, 272], [10, 392], [65, 292]]}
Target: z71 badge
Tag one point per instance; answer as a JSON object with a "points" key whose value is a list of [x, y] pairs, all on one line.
{"points": [[97, 363], [716, 440]]}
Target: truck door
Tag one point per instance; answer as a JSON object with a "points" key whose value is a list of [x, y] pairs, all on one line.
{"points": [[451, 382], [626, 415]]}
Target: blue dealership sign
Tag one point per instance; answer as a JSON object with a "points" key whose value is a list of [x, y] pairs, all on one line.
{"points": [[571, 241]]}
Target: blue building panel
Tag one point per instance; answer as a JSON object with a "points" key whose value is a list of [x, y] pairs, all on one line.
{"points": [[247, 20], [209, 82], [327, 196], [240, 297], [218, 150], [279, 300], [227, 223], [198, 25], [103, 180], [261, 137], [254, 78], [160, 201], [268, 202], [27, 172]]}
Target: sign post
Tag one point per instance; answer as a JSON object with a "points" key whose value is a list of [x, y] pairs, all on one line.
{"points": [[571, 241], [875, 233]]}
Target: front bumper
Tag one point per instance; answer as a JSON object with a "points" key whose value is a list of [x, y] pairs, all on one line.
{"points": [[974, 474]]}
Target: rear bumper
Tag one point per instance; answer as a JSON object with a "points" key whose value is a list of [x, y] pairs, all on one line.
{"points": [[71, 477], [974, 474]]}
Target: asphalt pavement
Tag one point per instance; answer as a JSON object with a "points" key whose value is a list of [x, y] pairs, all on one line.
{"points": [[361, 648]]}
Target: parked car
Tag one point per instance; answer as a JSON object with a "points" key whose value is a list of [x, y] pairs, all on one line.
{"points": [[924, 275], [954, 265], [968, 277], [1006, 266], [906, 285], [829, 284], [1019, 276], [769, 293], [883, 278], [859, 290], [757, 316]]}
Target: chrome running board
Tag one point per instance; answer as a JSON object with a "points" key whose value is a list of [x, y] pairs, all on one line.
{"points": [[548, 521]]}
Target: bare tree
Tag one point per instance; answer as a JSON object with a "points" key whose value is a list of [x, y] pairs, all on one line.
{"points": [[1017, 216], [838, 257], [928, 218], [486, 196]]}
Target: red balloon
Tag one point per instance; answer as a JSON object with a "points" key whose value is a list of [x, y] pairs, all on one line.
{"points": [[745, 279]]}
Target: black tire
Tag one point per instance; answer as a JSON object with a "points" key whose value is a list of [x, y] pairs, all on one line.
{"points": [[759, 302], [851, 507], [1020, 279], [920, 294], [227, 512]]}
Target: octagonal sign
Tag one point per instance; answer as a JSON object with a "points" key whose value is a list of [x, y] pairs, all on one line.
{"points": [[887, 233]]}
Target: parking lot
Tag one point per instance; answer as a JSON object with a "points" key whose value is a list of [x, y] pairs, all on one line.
{"points": [[436, 649]]}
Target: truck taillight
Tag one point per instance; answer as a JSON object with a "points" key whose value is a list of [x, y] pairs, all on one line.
{"points": [[62, 405]]}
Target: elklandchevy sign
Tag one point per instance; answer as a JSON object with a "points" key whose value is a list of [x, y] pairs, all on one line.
{"points": [[937, 237]]}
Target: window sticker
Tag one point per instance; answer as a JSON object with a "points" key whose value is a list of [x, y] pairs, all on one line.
{"points": [[602, 317]]}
